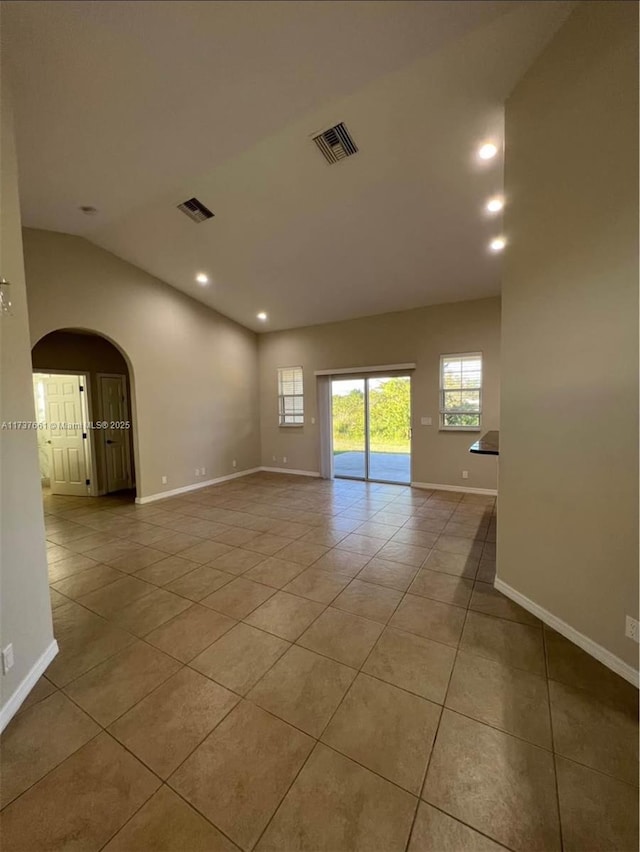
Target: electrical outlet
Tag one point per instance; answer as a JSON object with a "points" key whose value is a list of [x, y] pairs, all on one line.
{"points": [[465, 474], [273, 458], [284, 459], [426, 421], [313, 421], [632, 629], [235, 463], [164, 480], [7, 659], [204, 470], [197, 471]]}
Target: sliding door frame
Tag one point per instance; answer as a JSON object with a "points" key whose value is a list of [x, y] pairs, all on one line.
{"points": [[367, 435], [366, 376]]}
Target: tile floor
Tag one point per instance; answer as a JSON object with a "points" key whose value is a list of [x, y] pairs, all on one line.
{"points": [[282, 663]]}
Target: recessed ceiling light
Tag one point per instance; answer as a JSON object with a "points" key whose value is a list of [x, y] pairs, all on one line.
{"points": [[497, 244], [201, 278], [262, 316], [487, 151], [495, 204]]}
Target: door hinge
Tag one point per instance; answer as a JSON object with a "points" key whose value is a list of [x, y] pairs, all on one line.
{"points": [[87, 482], [81, 388], [84, 436]]}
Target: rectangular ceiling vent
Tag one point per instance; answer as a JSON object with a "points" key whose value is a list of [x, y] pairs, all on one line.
{"points": [[195, 210], [336, 143]]}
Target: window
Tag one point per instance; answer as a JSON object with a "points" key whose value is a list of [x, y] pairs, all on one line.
{"points": [[290, 396], [461, 391]]}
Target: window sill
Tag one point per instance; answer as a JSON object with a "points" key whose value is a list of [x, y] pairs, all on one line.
{"points": [[291, 425], [460, 429]]}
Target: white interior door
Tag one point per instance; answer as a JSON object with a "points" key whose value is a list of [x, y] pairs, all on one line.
{"points": [[68, 464], [113, 399]]}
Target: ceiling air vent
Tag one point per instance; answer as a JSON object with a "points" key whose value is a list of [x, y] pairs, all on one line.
{"points": [[336, 143], [195, 210]]}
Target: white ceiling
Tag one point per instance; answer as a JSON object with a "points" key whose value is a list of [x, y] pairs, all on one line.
{"points": [[132, 107]]}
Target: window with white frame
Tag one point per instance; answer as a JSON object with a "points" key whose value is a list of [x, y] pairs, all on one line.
{"points": [[290, 396], [461, 391]]}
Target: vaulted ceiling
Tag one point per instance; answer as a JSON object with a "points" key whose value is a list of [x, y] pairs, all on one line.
{"points": [[133, 107]]}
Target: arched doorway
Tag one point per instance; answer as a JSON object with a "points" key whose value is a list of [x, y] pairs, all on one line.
{"points": [[84, 405]]}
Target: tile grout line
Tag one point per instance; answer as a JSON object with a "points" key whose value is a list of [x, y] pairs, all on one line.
{"points": [[104, 728], [553, 748], [368, 674], [403, 596], [442, 709], [163, 783], [318, 740], [141, 638], [360, 671], [232, 577], [437, 731], [468, 825], [53, 768]]}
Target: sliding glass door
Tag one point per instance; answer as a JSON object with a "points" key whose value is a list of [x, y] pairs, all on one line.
{"points": [[389, 429], [349, 428], [371, 422]]}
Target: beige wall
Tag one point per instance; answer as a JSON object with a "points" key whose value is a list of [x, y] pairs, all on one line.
{"points": [[90, 355], [193, 372], [25, 610], [568, 530], [419, 336]]}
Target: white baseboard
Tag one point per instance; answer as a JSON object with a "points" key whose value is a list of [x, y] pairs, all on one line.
{"points": [[11, 707], [173, 492], [492, 492], [287, 470], [162, 495], [601, 654]]}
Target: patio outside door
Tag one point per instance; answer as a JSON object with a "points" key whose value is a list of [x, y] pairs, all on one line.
{"points": [[371, 428]]}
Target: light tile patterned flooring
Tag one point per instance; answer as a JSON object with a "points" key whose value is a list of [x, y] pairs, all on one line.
{"points": [[283, 664]]}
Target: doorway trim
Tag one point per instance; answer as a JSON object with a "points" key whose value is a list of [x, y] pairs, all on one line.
{"points": [[87, 412]]}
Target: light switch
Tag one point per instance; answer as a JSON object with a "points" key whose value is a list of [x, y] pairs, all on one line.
{"points": [[426, 421]]}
